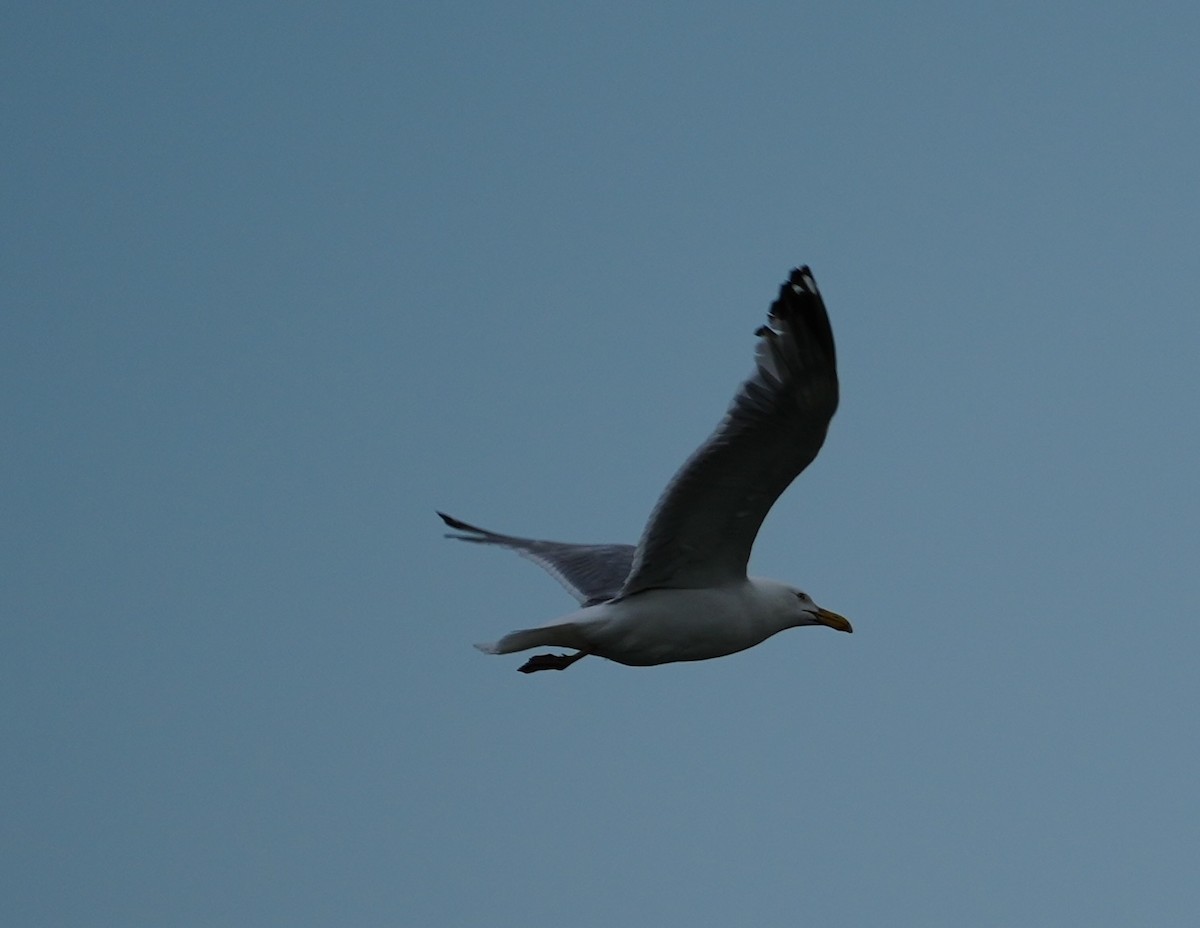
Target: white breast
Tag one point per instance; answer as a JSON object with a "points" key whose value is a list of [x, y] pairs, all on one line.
{"points": [[660, 626]]}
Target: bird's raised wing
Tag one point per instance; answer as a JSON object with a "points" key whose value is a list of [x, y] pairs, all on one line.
{"points": [[704, 524], [590, 573]]}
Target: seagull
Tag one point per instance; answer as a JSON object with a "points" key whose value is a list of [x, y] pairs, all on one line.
{"points": [[682, 593]]}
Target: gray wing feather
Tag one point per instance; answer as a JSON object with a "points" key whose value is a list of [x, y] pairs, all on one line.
{"points": [[590, 573], [704, 524]]}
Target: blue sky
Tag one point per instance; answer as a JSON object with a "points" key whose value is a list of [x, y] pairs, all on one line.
{"points": [[280, 281]]}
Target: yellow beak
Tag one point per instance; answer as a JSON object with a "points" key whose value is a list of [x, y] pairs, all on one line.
{"points": [[833, 620]]}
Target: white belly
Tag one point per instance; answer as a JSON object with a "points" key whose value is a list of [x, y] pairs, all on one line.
{"points": [[660, 626]]}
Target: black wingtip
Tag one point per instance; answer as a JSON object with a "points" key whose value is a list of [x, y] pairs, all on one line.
{"points": [[802, 277], [453, 522], [800, 298], [473, 532], [460, 526]]}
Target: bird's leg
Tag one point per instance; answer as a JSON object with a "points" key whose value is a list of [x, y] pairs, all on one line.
{"points": [[551, 662]]}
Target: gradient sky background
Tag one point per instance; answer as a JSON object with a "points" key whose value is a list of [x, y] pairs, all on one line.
{"points": [[281, 279]]}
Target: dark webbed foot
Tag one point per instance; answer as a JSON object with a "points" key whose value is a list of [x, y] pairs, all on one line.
{"points": [[550, 662]]}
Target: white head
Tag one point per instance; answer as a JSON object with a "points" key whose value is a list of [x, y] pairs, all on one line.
{"points": [[812, 614], [788, 607]]}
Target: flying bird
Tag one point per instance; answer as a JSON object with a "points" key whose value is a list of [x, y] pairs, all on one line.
{"points": [[682, 593]]}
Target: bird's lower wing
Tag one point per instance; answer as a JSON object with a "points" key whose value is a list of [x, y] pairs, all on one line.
{"points": [[590, 573]]}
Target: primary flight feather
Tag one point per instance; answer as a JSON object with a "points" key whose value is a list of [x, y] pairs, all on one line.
{"points": [[682, 594]]}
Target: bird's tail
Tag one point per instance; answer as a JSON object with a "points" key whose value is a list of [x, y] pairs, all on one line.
{"points": [[566, 635]]}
